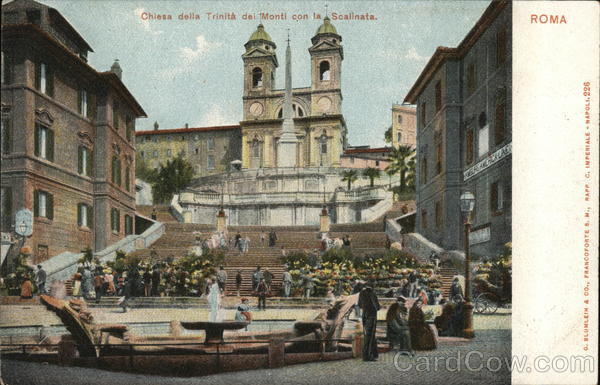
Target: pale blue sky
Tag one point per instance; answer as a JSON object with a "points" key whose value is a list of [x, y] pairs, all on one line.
{"points": [[191, 71]]}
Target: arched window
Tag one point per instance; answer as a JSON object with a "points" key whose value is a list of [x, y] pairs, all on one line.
{"points": [[255, 148], [324, 70], [255, 154], [257, 77], [323, 161], [298, 111]]}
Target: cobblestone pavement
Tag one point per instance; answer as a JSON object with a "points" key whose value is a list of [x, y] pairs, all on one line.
{"points": [[452, 363]]}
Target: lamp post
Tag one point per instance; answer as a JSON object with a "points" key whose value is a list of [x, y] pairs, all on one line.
{"points": [[467, 204], [221, 218]]}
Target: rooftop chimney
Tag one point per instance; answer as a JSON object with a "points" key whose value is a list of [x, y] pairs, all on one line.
{"points": [[187, 125], [155, 126], [116, 69]]}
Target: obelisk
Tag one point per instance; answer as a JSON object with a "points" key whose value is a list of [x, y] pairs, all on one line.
{"points": [[288, 142]]}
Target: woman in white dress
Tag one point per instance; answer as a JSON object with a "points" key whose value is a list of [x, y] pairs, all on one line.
{"points": [[214, 301]]}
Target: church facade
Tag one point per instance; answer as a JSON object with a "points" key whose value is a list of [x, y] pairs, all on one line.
{"points": [[292, 146], [318, 124]]}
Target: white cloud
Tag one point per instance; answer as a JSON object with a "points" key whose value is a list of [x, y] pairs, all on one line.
{"points": [[412, 54], [145, 23], [217, 116], [190, 55]]}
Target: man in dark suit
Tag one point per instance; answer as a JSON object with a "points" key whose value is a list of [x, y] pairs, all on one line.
{"points": [[367, 300]]}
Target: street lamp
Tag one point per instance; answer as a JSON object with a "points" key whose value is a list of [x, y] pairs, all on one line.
{"points": [[22, 228], [467, 204]]}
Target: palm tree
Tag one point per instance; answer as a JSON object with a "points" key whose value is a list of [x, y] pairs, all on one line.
{"points": [[411, 174], [349, 176], [371, 173], [399, 163]]}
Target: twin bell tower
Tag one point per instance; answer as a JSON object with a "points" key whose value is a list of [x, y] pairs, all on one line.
{"points": [[293, 127]]}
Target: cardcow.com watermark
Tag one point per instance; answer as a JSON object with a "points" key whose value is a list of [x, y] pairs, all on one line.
{"points": [[475, 361]]}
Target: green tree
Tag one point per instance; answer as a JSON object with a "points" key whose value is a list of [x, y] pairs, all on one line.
{"points": [[143, 172], [411, 174], [388, 135], [371, 173], [172, 178], [349, 176], [400, 163]]}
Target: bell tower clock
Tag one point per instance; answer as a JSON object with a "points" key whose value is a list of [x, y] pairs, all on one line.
{"points": [[260, 63]]}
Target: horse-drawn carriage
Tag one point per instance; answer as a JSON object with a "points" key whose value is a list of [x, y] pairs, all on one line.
{"points": [[489, 297]]}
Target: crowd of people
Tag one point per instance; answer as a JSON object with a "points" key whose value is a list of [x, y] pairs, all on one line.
{"points": [[223, 241], [27, 287]]}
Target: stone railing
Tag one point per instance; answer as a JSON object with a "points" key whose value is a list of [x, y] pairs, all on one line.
{"points": [[393, 230], [420, 246], [378, 210], [278, 197], [361, 195], [62, 266], [176, 208]]}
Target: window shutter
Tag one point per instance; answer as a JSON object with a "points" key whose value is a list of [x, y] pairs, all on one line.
{"points": [[494, 196], [50, 206], [7, 145], [49, 81], [36, 203], [118, 222], [38, 76], [79, 209], [80, 160], [112, 219], [79, 100], [90, 170], [90, 217], [37, 140], [119, 172], [114, 170], [90, 110], [50, 144]]}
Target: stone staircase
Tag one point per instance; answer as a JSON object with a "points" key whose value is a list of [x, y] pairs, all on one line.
{"points": [[265, 257], [163, 213], [367, 238], [447, 275]]}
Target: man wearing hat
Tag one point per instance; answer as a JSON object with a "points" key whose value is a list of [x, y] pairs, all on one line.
{"points": [[40, 278], [455, 289], [367, 300]]}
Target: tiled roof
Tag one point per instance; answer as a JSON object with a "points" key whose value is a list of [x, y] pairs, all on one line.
{"points": [[368, 150], [187, 130]]}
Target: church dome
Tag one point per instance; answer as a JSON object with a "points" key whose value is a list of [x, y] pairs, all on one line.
{"points": [[326, 27], [260, 34]]}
